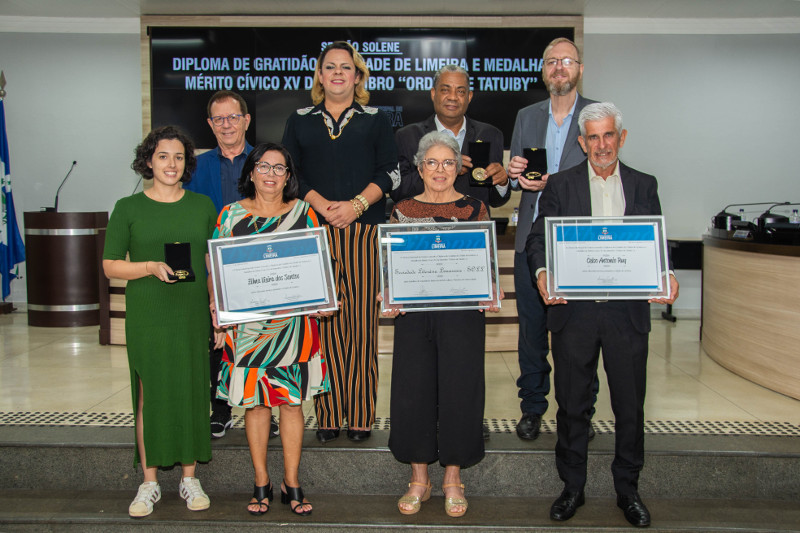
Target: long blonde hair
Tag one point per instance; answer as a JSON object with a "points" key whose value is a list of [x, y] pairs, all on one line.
{"points": [[362, 94]]}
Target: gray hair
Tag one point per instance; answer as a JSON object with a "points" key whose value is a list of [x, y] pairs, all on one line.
{"points": [[599, 111], [437, 138], [450, 68]]}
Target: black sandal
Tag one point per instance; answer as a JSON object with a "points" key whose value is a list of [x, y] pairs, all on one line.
{"points": [[294, 494], [260, 494]]}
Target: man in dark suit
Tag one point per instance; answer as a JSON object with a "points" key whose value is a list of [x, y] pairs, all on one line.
{"points": [[581, 328], [550, 124], [451, 96]]}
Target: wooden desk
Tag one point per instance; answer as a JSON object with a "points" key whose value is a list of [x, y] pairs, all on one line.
{"points": [[751, 311]]}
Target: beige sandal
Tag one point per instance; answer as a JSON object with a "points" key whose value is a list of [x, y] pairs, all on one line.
{"points": [[449, 503], [414, 501]]}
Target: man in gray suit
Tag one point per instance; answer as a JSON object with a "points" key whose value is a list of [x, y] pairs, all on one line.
{"points": [[550, 124]]}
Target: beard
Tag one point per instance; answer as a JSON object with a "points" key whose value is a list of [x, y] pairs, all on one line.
{"points": [[561, 88]]}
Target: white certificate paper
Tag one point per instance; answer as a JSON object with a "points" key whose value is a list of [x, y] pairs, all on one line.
{"points": [[274, 275], [614, 258], [428, 266]]}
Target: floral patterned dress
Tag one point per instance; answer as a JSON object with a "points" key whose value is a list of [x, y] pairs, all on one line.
{"points": [[276, 361]]}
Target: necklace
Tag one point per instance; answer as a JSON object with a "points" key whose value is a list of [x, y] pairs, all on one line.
{"points": [[329, 123]]}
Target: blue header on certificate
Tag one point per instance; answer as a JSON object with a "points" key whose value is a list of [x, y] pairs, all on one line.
{"points": [[440, 241], [270, 250], [615, 232]]}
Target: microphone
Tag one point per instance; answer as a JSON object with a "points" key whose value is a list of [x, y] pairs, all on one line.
{"points": [[767, 217], [769, 210], [55, 206], [724, 212], [136, 186]]}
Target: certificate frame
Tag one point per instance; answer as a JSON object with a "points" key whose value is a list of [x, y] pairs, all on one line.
{"points": [[439, 266], [607, 258], [271, 275]]}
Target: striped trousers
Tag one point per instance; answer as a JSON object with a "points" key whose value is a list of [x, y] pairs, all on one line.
{"points": [[350, 337]]}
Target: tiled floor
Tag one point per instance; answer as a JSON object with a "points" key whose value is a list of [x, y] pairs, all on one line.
{"points": [[66, 370]]}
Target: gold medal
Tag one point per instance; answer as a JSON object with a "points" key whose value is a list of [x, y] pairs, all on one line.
{"points": [[479, 174]]}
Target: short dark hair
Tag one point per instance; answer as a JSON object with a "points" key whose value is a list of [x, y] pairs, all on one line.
{"points": [[450, 68], [246, 187], [144, 152], [224, 95]]}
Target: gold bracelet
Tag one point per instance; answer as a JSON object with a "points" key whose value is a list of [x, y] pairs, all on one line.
{"points": [[363, 201], [357, 207]]}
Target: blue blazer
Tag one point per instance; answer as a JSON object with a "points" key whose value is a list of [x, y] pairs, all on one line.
{"points": [[207, 177]]}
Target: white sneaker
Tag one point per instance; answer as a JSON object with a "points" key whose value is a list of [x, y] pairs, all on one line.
{"points": [[191, 491], [147, 496]]}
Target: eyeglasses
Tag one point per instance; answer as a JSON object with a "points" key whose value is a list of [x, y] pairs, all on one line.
{"points": [[565, 62], [264, 168], [232, 120], [434, 164]]}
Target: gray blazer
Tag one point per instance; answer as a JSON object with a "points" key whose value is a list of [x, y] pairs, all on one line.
{"points": [[530, 131]]}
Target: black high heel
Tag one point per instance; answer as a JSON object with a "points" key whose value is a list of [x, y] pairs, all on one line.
{"points": [[296, 494], [260, 494]]}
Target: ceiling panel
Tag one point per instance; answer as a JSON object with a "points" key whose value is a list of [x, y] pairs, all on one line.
{"points": [[589, 8]]}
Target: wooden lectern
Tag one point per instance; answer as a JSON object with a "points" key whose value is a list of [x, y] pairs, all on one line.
{"points": [[63, 268]]}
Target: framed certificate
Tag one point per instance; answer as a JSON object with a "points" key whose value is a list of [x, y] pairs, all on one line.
{"points": [[257, 277], [607, 258], [450, 265]]}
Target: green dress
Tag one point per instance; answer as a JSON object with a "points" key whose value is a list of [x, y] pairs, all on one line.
{"points": [[167, 325]]}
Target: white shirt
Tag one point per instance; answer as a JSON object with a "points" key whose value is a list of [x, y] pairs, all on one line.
{"points": [[608, 199]]}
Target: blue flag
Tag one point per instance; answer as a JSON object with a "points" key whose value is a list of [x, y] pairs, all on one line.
{"points": [[12, 249]]}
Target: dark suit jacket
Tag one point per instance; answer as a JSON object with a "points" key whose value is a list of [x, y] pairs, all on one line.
{"points": [[567, 194], [407, 139], [530, 131]]}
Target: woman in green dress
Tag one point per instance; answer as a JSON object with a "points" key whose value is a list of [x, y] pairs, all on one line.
{"points": [[166, 322]]}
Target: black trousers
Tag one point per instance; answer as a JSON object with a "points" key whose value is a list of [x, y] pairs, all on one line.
{"points": [[593, 326], [438, 379], [219, 408]]}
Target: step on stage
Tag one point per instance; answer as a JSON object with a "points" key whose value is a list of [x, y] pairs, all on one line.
{"points": [[74, 472]]}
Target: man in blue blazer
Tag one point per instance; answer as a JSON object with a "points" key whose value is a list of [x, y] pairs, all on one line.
{"points": [[218, 170], [581, 328], [217, 176], [550, 124]]}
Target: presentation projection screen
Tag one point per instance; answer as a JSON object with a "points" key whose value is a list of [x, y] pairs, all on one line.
{"points": [[273, 69]]}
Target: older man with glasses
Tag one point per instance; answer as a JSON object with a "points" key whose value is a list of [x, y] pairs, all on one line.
{"points": [[217, 176]]}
